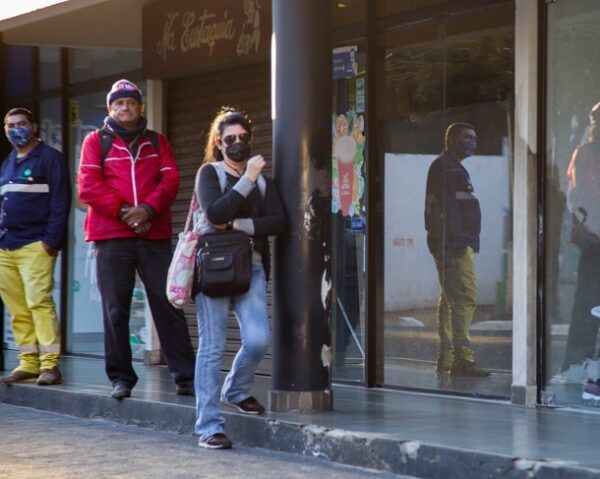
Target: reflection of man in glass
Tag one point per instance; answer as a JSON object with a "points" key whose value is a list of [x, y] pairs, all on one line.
{"points": [[584, 202], [453, 223]]}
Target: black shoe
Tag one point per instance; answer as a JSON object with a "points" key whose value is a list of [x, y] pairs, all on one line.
{"points": [[184, 390], [121, 391], [468, 369], [216, 441], [248, 406]]}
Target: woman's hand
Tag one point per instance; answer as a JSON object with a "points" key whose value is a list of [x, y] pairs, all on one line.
{"points": [[254, 167]]}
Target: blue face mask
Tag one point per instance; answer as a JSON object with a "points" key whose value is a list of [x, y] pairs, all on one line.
{"points": [[19, 136], [466, 147]]}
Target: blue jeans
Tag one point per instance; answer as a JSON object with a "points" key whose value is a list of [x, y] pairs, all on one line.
{"points": [[250, 310]]}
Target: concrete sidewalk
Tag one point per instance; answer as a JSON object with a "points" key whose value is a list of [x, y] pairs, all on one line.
{"points": [[420, 435], [98, 449]]}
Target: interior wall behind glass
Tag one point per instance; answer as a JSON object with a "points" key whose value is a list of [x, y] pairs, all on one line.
{"points": [[460, 69], [572, 203], [90, 63]]}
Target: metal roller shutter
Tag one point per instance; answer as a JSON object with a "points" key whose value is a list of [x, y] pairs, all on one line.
{"points": [[192, 103]]}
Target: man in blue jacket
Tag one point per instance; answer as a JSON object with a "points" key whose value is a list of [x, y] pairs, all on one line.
{"points": [[453, 224], [35, 198]]}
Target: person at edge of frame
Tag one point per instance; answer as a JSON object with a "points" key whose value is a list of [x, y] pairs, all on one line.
{"points": [[35, 195]]}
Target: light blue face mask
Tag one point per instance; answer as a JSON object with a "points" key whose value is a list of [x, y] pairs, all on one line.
{"points": [[19, 136], [466, 147]]}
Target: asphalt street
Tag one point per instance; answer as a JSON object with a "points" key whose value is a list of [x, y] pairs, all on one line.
{"points": [[36, 444]]}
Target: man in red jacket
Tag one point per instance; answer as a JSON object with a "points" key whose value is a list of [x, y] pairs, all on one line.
{"points": [[128, 179]]}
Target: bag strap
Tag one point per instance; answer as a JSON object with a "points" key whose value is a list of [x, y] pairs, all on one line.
{"points": [[194, 204]]}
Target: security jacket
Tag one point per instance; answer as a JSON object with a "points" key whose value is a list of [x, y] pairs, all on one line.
{"points": [[35, 197], [452, 212]]}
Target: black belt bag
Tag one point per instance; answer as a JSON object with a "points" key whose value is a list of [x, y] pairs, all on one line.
{"points": [[224, 263]]}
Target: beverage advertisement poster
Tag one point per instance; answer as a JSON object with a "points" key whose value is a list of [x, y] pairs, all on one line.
{"points": [[348, 183]]}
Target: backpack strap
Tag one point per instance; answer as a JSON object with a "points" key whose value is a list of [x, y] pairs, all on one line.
{"points": [[106, 141], [154, 139], [221, 174]]}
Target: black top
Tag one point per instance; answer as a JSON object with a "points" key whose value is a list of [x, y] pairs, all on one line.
{"points": [[266, 215], [452, 212]]}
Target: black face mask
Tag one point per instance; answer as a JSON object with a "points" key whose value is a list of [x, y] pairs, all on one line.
{"points": [[238, 152]]}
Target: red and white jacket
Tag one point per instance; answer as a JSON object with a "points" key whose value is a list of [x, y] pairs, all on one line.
{"points": [[150, 177]]}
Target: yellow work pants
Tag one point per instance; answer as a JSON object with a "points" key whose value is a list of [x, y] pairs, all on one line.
{"points": [[26, 282], [456, 304]]}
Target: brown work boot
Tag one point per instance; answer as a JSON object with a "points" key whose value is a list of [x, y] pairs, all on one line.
{"points": [[462, 367], [18, 376], [444, 361], [49, 377]]}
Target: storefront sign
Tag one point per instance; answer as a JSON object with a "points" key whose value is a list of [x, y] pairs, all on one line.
{"points": [[360, 95], [182, 35], [344, 62]]}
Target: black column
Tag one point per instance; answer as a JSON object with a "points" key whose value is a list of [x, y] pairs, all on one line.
{"points": [[302, 167]]}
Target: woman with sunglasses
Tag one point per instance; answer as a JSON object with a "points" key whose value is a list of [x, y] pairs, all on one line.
{"points": [[242, 206]]}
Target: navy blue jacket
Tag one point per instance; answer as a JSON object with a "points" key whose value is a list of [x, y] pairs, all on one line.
{"points": [[35, 196], [452, 212]]}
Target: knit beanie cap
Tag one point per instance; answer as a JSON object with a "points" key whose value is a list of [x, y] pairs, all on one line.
{"points": [[123, 89]]}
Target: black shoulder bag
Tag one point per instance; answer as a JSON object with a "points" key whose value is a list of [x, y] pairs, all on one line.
{"points": [[224, 263]]}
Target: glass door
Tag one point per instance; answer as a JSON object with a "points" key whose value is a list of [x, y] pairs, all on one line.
{"points": [[572, 204], [85, 328], [348, 208], [446, 237]]}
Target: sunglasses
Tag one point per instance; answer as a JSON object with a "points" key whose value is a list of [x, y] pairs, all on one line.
{"points": [[243, 137]]}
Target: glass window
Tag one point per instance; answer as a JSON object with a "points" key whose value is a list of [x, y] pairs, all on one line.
{"points": [[90, 63], [572, 204], [390, 7], [18, 71], [447, 205], [349, 212], [49, 67], [85, 329]]}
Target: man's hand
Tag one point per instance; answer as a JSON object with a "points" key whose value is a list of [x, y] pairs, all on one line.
{"points": [[136, 217], [143, 228], [49, 249]]}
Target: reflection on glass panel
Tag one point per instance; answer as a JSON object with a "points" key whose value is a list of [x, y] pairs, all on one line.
{"points": [[90, 63], [572, 208], [348, 12], [391, 7], [50, 131], [348, 208], [18, 80], [447, 204], [50, 67], [50, 123], [85, 329]]}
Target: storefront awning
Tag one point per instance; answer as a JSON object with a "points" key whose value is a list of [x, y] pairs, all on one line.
{"points": [[79, 23]]}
